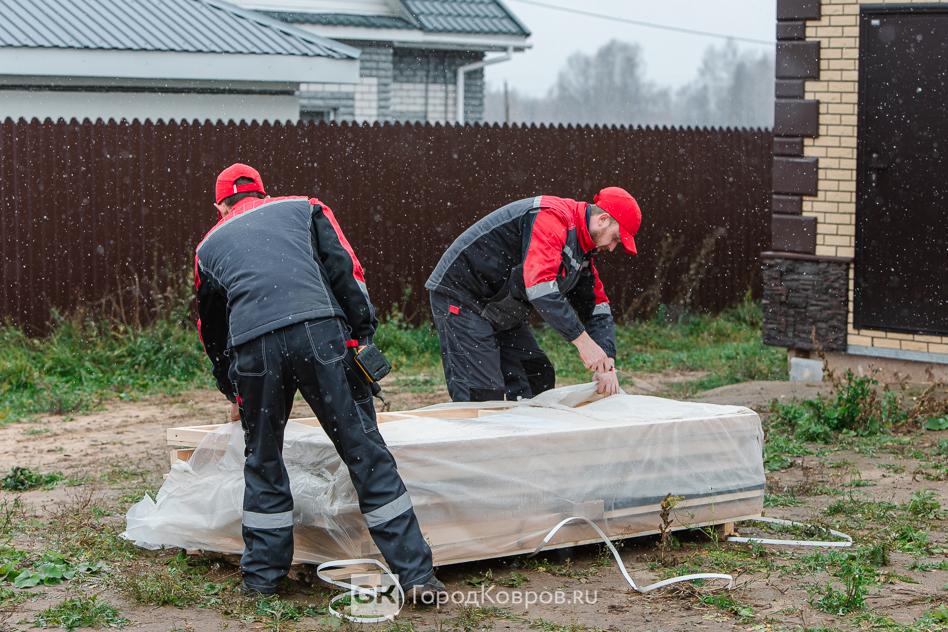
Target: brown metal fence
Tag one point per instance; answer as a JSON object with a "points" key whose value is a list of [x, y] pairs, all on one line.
{"points": [[95, 212]]}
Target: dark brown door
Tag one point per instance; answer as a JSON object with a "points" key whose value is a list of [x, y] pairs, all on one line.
{"points": [[901, 267]]}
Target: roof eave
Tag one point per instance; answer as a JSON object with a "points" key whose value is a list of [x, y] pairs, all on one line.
{"points": [[163, 65], [403, 38]]}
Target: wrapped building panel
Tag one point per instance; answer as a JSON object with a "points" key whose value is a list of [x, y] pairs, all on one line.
{"points": [[486, 480]]}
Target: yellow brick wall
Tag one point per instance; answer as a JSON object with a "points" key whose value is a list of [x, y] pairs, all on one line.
{"points": [[834, 207]]}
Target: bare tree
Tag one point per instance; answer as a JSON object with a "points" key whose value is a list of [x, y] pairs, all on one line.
{"points": [[607, 87], [733, 88]]}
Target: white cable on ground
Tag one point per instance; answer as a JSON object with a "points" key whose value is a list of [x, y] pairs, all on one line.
{"points": [[622, 568], [846, 542], [353, 590]]}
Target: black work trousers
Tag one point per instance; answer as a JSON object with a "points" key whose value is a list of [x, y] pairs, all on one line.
{"points": [[482, 363], [266, 373]]}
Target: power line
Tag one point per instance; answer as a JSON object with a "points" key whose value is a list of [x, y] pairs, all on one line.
{"points": [[650, 25]]}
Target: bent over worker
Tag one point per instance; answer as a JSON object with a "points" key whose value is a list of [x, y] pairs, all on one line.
{"points": [[282, 301], [537, 253]]}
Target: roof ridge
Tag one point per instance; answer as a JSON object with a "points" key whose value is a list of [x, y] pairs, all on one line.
{"points": [[513, 16]]}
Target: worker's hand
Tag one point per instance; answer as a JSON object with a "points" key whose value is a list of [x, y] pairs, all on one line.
{"points": [[234, 412], [607, 383], [592, 354]]}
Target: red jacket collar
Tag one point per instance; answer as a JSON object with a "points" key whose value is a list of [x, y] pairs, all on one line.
{"points": [[244, 205], [582, 228]]}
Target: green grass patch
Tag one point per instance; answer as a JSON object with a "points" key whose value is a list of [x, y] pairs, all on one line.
{"points": [[924, 504], [21, 479], [23, 570], [728, 604], [780, 450], [81, 612], [728, 346], [856, 576], [545, 625], [781, 500], [167, 585], [85, 362], [856, 408]]}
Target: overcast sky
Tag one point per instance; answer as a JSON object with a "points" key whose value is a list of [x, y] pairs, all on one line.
{"points": [[670, 58]]}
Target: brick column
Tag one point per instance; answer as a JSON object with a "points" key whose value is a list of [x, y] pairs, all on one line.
{"points": [[805, 296]]}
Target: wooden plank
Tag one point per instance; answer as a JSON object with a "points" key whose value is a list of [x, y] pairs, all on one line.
{"points": [[460, 559], [450, 541], [443, 556], [723, 531], [189, 436]]}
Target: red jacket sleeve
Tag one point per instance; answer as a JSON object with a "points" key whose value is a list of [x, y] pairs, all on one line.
{"points": [[540, 269], [589, 300]]}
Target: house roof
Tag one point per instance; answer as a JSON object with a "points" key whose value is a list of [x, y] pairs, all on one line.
{"points": [[465, 16], [480, 17], [190, 26]]}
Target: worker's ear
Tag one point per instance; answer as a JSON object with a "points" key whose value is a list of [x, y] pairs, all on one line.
{"points": [[603, 219], [221, 210]]}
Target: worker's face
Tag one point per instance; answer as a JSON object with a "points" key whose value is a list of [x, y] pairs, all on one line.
{"points": [[604, 232]]}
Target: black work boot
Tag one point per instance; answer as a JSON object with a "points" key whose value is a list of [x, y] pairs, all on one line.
{"points": [[254, 591], [428, 593]]}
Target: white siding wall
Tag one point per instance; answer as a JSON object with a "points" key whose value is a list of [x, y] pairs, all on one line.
{"points": [[147, 105]]}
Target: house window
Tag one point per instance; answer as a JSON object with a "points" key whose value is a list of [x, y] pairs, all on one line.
{"points": [[317, 115]]}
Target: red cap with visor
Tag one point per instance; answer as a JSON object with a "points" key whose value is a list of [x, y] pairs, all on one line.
{"points": [[620, 204], [227, 181]]}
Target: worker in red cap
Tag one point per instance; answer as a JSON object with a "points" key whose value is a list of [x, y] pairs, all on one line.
{"points": [[283, 307], [533, 254]]}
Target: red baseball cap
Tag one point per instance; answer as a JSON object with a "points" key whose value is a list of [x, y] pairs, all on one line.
{"points": [[226, 186], [625, 210]]}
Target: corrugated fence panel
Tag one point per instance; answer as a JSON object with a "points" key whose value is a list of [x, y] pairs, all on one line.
{"points": [[103, 215]]}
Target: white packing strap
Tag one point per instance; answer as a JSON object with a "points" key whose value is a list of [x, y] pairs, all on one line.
{"points": [[353, 590], [622, 569], [847, 541]]}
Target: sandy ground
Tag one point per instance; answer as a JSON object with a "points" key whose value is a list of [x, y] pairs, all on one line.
{"points": [[111, 453]]}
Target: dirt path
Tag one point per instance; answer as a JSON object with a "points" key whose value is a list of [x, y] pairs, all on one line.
{"points": [[111, 457]]}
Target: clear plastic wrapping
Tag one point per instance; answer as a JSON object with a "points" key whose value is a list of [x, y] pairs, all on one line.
{"points": [[486, 480]]}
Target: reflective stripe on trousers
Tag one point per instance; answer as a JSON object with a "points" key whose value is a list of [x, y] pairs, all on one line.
{"points": [[255, 520], [388, 512]]}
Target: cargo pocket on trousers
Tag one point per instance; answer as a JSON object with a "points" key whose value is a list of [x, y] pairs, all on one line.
{"points": [[251, 358], [327, 340]]}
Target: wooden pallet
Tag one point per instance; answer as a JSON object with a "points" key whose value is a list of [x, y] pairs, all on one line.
{"points": [[453, 542]]}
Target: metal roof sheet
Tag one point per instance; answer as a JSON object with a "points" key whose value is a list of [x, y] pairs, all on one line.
{"points": [[190, 26], [465, 16], [481, 17]]}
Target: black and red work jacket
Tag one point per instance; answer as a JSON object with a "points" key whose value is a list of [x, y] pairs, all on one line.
{"points": [[533, 253], [270, 263]]}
